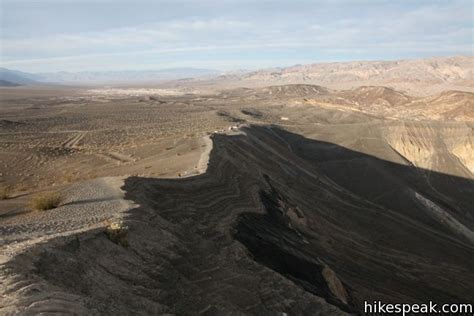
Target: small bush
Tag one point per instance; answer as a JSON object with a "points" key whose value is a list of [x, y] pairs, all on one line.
{"points": [[117, 233], [5, 192], [21, 187], [45, 201], [68, 177]]}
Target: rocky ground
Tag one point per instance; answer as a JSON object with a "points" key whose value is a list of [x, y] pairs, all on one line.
{"points": [[291, 199]]}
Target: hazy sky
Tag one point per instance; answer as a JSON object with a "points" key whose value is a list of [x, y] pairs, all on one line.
{"points": [[73, 35]]}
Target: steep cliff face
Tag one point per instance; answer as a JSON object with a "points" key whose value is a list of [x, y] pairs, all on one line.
{"points": [[444, 148], [463, 149]]}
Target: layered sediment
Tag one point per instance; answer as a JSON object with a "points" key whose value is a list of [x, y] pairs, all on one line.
{"points": [[279, 223]]}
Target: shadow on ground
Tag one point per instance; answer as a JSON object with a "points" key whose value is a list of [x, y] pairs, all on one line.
{"points": [[279, 223]]}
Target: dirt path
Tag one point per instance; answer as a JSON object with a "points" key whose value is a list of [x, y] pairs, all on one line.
{"points": [[115, 157], [74, 140]]}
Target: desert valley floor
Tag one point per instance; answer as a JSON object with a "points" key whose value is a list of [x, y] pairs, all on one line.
{"points": [[294, 198]]}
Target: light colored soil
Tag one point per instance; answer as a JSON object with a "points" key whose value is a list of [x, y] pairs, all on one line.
{"points": [[85, 205]]}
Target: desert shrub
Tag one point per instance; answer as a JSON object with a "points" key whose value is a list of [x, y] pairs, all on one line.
{"points": [[22, 186], [5, 192], [117, 233], [69, 177], [45, 201]]}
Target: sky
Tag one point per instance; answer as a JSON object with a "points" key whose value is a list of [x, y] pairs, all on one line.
{"points": [[101, 35]]}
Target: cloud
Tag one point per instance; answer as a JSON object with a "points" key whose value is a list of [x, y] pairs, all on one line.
{"points": [[347, 29], [159, 35]]}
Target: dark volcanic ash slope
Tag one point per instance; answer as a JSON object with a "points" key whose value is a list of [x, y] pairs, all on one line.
{"points": [[279, 223]]}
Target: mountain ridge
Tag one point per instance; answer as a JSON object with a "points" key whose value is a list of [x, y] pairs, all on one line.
{"points": [[412, 76], [120, 76]]}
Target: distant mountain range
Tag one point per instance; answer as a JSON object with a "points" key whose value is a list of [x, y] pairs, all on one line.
{"points": [[5, 83], [418, 76], [10, 77], [415, 76]]}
